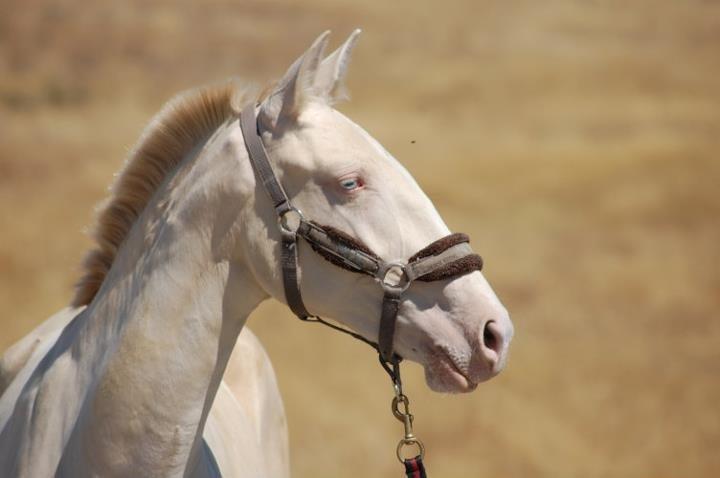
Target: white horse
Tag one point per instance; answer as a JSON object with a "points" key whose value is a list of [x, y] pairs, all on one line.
{"points": [[129, 380]]}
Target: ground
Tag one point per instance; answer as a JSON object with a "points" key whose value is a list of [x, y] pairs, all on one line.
{"points": [[576, 142]]}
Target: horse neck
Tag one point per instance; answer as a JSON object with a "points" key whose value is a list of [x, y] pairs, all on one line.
{"points": [[165, 322]]}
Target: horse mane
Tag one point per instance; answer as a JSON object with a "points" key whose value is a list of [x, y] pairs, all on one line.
{"points": [[183, 122]]}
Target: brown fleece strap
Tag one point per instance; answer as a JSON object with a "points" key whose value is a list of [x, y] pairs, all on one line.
{"points": [[462, 266], [446, 258], [340, 248], [435, 248]]}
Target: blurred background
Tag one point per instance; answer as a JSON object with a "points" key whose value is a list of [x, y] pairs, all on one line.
{"points": [[581, 140]]}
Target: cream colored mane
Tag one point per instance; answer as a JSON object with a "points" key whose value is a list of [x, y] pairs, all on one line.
{"points": [[184, 121]]}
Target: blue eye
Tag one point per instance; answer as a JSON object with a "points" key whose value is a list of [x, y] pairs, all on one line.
{"points": [[350, 184]]}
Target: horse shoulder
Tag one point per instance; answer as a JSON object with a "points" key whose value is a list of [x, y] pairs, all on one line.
{"points": [[40, 338]]}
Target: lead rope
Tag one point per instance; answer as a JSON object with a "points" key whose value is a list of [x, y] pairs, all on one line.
{"points": [[414, 466], [400, 405]]}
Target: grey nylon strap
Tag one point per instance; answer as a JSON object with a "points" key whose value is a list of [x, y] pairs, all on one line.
{"points": [[388, 319], [260, 162], [291, 281], [263, 170]]}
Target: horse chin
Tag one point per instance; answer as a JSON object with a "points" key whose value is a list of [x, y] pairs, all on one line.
{"points": [[442, 375]]}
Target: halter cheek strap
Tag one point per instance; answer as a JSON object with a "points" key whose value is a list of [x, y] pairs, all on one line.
{"points": [[265, 174], [446, 258]]}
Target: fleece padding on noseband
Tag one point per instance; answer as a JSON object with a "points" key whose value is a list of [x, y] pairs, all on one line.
{"points": [[345, 240], [442, 244], [464, 265]]}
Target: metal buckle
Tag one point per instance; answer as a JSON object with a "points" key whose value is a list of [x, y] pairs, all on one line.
{"points": [[393, 277], [288, 227]]}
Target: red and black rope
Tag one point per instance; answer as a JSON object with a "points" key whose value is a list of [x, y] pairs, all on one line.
{"points": [[414, 468]]}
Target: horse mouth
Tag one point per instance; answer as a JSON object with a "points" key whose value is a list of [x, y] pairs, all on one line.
{"points": [[443, 374]]}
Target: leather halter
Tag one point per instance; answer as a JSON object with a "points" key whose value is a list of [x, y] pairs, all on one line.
{"points": [[448, 257]]}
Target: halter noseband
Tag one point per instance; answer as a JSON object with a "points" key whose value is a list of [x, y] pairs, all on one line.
{"points": [[446, 258]]}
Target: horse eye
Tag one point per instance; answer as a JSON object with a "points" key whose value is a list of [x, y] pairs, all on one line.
{"points": [[350, 184]]}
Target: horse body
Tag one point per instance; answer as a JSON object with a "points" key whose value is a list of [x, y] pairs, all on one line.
{"points": [[130, 381]]}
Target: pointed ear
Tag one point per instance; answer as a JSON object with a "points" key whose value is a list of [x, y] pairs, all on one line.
{"points": [[331, 73], [284, 104]]}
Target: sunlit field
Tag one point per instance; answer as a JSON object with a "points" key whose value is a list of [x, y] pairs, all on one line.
{"points": [[578, 143]]}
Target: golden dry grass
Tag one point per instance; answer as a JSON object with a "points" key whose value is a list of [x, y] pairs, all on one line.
{"points": [[581, 140]]}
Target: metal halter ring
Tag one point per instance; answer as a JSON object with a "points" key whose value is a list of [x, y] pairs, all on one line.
{"points": [[383, 275], [283, 221], [405, 442]]}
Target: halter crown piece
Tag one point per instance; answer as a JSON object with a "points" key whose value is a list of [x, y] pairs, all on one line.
{"points": [[446, 258]]}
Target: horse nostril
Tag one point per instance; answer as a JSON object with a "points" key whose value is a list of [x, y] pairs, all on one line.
{"points": [[491, 336]]}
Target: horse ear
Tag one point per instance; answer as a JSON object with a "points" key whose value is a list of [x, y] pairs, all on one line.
{"points": [[331, 73], [287, 99]]}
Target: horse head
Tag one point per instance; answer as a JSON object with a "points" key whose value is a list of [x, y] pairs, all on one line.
{"points": [[339, 176]]}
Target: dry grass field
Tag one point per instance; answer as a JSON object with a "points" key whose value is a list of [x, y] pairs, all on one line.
{"points": [[577, 142]]}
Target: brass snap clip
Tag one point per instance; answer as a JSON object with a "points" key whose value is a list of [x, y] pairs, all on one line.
{"points": [[404, 415]]}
